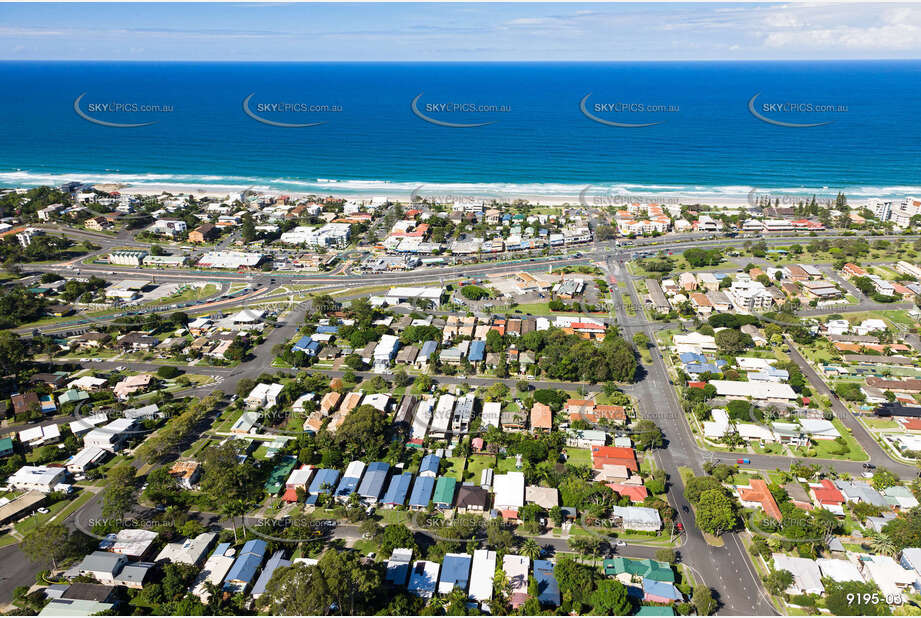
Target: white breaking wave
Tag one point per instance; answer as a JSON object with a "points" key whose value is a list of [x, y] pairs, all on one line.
{"points": [[394, 189]]}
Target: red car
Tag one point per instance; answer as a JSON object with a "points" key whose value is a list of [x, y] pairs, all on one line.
{"points": [[680, 526]]}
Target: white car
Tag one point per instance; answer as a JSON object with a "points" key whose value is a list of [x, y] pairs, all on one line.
{"points": [[621, 544], [42, 510]]}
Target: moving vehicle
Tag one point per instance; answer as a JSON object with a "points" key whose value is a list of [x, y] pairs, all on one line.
{"points": [[743, 461]]}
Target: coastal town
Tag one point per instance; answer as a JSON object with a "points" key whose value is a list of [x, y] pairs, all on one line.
{"points": [[259, 403]]}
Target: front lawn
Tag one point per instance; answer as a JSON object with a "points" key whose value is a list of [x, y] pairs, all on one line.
{"points": [[475, 466], [579, 456], [455, 467]]}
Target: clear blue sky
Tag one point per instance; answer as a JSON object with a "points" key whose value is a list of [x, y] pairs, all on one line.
{"points": [[458, 32]]}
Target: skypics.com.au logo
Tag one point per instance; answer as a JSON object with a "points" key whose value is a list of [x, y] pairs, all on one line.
{"points": [[105, 112], [616, 113], [436, 113], [772, 112], [280, 113]]}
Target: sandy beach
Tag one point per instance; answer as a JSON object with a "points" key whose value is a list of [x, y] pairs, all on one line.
{"points": [[589, 195]]}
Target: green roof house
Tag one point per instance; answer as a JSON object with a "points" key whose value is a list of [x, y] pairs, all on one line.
{"points": [[655, 610], [444, 492], [279, 475], [645, 567], [72, 395], [6, 447]]}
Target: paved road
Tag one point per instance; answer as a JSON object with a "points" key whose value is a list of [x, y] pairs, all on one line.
{"points": [[596, 250], [725, 569], [878, 456], [16, 570]]}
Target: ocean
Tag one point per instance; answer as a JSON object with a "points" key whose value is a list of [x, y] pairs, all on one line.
{"points": [[706, 141]]}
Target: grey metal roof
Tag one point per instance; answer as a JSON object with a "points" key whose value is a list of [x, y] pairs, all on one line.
{"points": [[372, 485]]}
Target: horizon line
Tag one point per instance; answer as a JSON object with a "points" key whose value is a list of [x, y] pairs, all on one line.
{"points": [[536, 61]]}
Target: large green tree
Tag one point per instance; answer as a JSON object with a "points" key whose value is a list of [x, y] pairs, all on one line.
{"points": [[716, 512], [610, 599], [339, 580], [121, 491], [855, 599], [48, 542], [905, 530]]}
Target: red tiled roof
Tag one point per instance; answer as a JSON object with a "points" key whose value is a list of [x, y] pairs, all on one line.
{"points": [[586, 326], [636, 493], [541, 416], [290, 495], [828, 493], [614, 455], [616, 413], [759, 492]]}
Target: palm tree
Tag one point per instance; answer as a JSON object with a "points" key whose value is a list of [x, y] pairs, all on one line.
{"points": [[232, 510], [530, 549], [881, 544]]}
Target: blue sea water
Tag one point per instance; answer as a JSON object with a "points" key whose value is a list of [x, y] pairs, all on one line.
{"points": [[708, 144]]}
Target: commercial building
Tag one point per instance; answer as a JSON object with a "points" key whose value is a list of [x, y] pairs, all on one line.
{"points": [[127, 258], [230, 259]]}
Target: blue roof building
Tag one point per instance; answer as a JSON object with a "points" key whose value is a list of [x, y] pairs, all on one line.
{"points": [[244, 568], [425, 352], [350, 480], [429, 465], [327, 330], [422, 492], [455, 573], [660, 592], [323, 483], [372, 485], [692, 357], [221, 549], [275, 562], [699, 368], [306, 345], [397, 490], [548, 589], [477, 351], [769, 374]]}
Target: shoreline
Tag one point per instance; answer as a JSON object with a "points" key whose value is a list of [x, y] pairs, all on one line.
{"points": [[549, 194]]}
